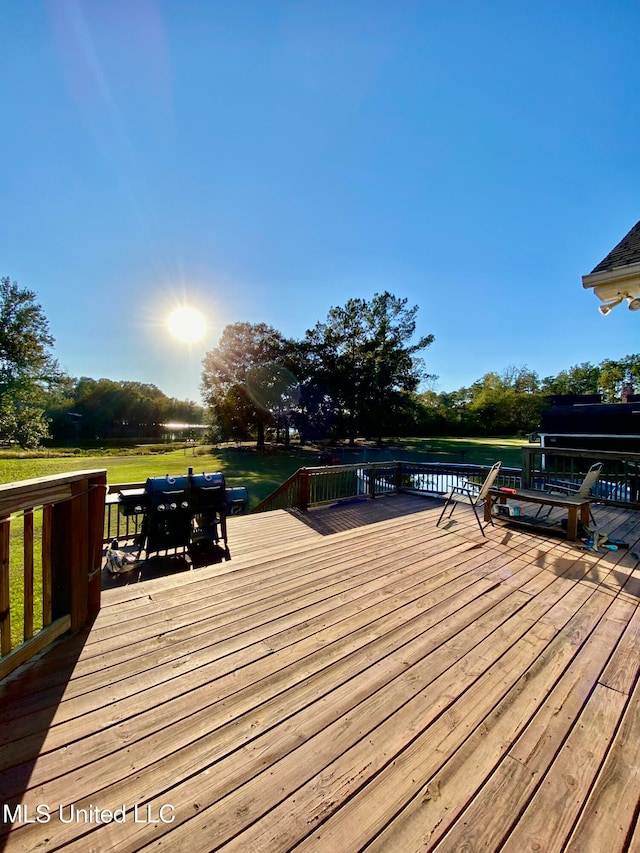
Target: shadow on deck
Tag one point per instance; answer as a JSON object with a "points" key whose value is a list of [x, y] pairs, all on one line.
{"points": [[351, 514]]}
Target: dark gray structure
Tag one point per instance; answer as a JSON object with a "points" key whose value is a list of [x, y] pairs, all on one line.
{"points": [[587, 424]]}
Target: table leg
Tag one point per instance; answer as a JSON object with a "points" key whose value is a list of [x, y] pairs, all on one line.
{"points": [[584, 515], [487, 507], [572, 524]]}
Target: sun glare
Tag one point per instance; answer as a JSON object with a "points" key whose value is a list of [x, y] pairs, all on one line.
{"points": [[187, 324]]}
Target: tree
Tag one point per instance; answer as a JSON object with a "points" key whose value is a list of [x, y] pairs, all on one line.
{"points": [[393, 368], [363, 359], [507, 403], [580, 379], [242, 380], [28, 371]]}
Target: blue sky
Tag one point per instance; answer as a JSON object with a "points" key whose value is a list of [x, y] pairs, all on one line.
{"points": [[264, 160]]}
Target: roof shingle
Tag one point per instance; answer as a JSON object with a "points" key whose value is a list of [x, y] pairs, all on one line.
{"points": [[626, 252]]}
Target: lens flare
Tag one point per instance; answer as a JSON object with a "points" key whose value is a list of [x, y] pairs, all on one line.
{"points": [[272, 387]]}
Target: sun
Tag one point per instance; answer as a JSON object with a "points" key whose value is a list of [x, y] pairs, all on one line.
{"points": [[187, 324]]}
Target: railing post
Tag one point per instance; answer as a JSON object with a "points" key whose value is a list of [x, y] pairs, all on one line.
{"points": [[47, 573], [60, 559], [5, 610], [371, 473], [79, 556], [526, 468], [69, 556], [97, 495], [28, 573], [398, 477], [303, 498]]}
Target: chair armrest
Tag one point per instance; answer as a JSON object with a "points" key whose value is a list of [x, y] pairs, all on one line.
{"points": [[462, 490]]}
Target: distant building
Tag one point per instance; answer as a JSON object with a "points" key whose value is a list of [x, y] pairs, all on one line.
{"points": [[583, 423]]}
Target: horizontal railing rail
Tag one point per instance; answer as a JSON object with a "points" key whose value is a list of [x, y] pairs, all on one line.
{"points": [[437, 478], [618, 484], [50, 560]]}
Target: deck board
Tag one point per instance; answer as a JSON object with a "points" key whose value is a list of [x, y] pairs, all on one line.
{"points": [[356, 678]]}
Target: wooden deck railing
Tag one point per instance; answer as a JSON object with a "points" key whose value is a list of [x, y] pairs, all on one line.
{"points": [[116, 525], [619, 485], [329, 484], [619, 482], [51, 532]]}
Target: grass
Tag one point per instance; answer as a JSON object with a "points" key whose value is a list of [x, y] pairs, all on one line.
{"points": [[480, 451], [260, 473]]}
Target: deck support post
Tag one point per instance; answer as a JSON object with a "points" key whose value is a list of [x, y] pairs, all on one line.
{"points": [[69, 550], [398, 477], [526, 469], [303, 500], [97, 495], [76, 551]]}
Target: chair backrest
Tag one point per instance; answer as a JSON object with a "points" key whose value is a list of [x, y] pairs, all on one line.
{"points": [[491, 476], [589, 480]]}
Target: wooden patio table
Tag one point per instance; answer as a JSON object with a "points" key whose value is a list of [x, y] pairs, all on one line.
{"points": [[537, 496]]}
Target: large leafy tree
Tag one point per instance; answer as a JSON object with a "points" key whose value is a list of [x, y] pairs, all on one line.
{"points": [[506, 403], [28, 371], [580, 379], [243, 383], [364, 359]]}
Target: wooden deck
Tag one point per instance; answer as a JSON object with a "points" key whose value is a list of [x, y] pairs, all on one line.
{"points": [[354, 679]]}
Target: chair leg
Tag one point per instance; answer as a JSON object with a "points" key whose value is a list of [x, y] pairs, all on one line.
{"points": [[475, 511], [540, 508], [444, 508]]}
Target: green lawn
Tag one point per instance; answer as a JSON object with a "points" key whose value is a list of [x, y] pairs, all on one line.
{"points": [[260, 473], [481, 451]]}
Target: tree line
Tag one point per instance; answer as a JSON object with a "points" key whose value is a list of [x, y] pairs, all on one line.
{"points": [[38, 401], [100, 409], [359, 372], [512, 402]]}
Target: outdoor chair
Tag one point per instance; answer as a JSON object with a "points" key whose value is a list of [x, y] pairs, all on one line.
{"points": [[582, 491], [472, 494]]}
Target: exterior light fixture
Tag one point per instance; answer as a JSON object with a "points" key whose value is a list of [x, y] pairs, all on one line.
{"points": [[607, 307], [617, 277]]}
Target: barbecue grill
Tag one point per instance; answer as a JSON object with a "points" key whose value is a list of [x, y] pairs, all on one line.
{"points": [[167, 520], [209, 507], [180, 512], [237, 500]]}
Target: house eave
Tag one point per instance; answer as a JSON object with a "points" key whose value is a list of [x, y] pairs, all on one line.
{"points": [[611, 284]]}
